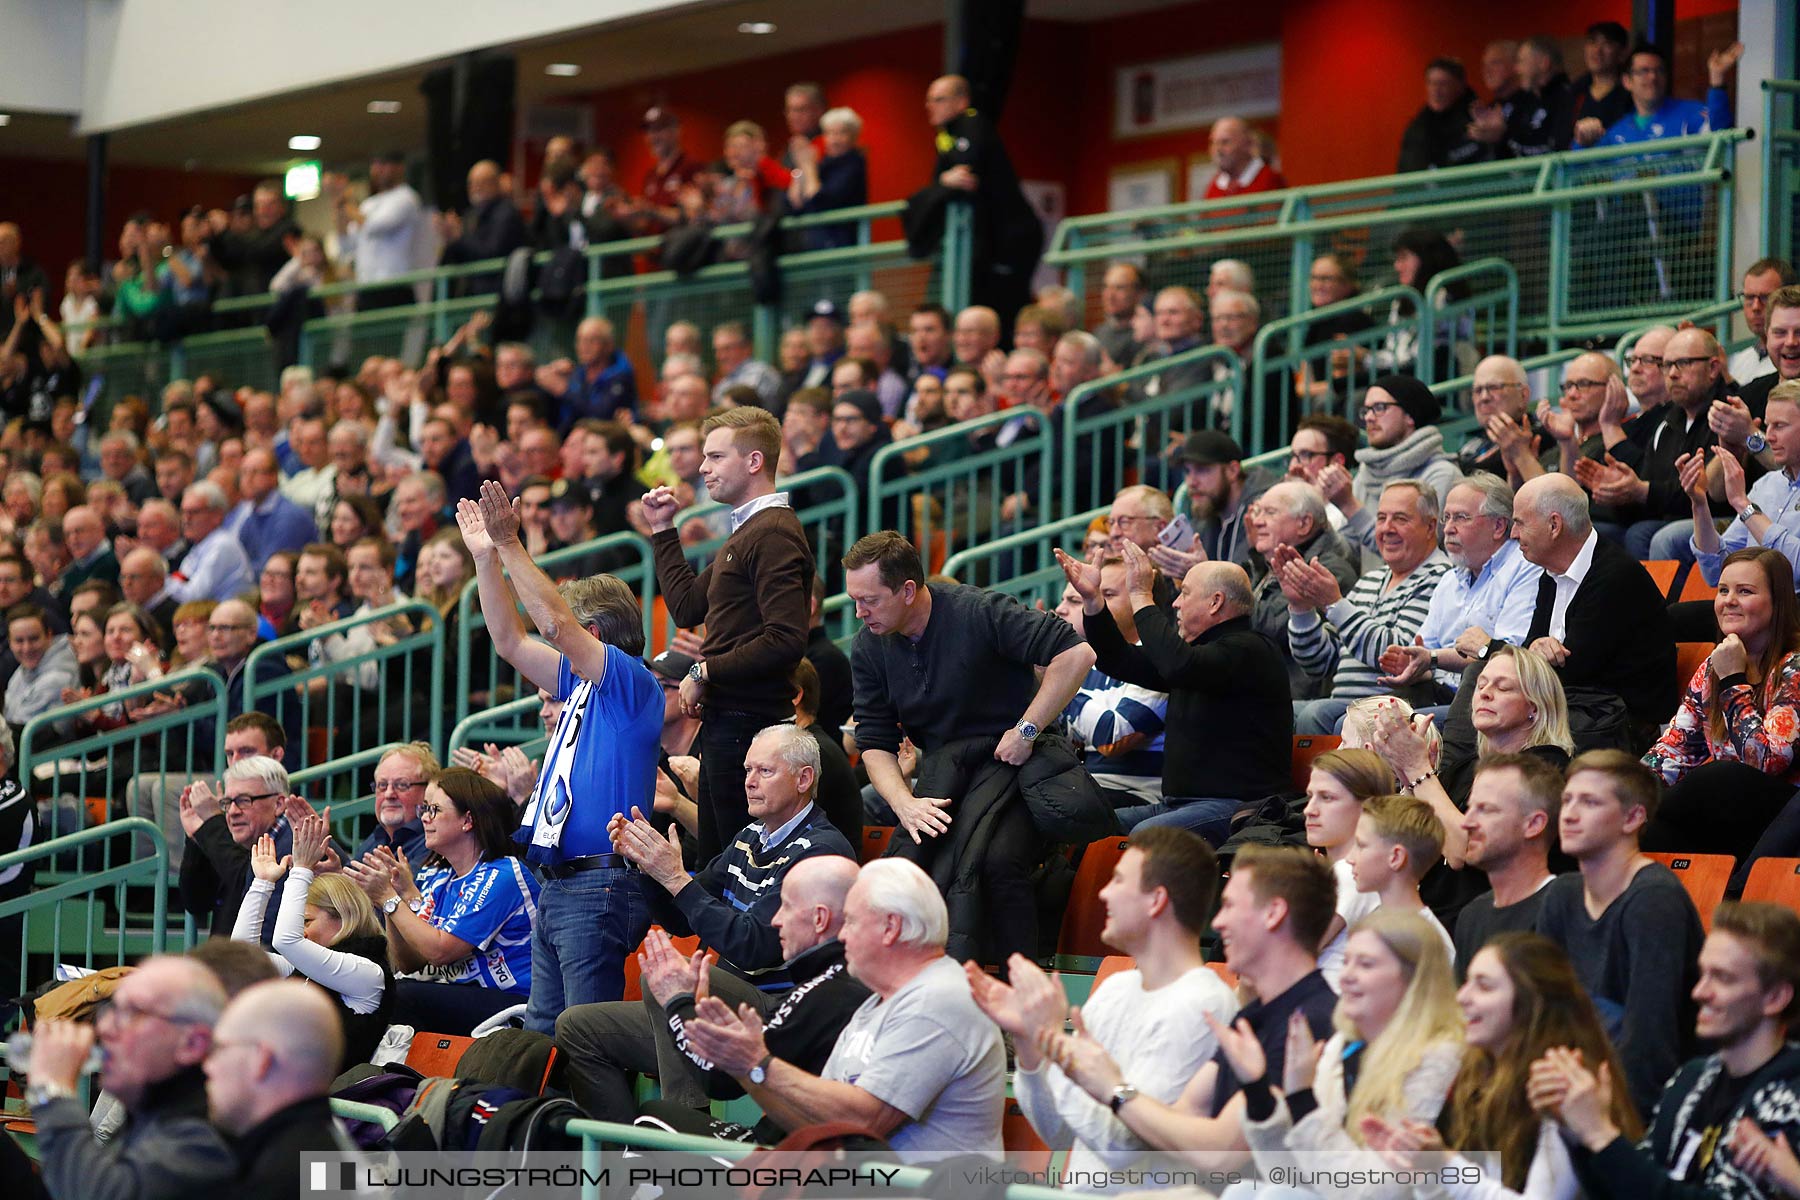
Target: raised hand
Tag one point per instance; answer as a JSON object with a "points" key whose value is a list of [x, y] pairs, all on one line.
{"points": [[1140, 576], [660, 505], [474, 530], [1691, 468], [499, 514], [1243, 1053], [1720, 62], [263, 862], [1303, 1050], [1557, 423], [1733, 472], [1083, 577], [312, 836]]}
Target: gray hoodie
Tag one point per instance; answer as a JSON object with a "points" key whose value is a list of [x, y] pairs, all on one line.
{"points": [[31, 692]]}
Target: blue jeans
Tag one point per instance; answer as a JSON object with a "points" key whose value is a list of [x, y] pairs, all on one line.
{"points": [[586, 925], [1209, 818], [1660, 540], [1320, 716]]}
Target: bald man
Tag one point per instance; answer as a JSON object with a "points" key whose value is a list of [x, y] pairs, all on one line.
{"points": [[804, 1026], [275, 1051], [972, 167], [1240, 169], [1230, 718], [266, 521], [156, 1032], [489, 228]]}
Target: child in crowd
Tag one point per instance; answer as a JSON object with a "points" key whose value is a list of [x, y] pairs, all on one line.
{"points": [[1397, 840]]}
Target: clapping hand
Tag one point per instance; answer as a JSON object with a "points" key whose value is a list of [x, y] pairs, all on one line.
{"points": [[1405, 664], [1303, 1051], [1557, 423], [653, 854], [264, 863], [1733, 471], [1762, 1157], [474, 530], [312, 842], [1401, 1142], [499, 514], [1083, 577], [731, 1041], [1176, 563], [666, 971], [1140, 576], [1032, 1001], [1243, 1053], [1334, 480], [1691, 468]]}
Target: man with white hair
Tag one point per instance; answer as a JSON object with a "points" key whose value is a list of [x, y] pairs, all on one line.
{"points": [[730, 903], [89, 555], [276, 1049], [216, 568], [602, 382], [1230, 275], [119, 462], [221, 829], [919, 1063], [156, 1030]]}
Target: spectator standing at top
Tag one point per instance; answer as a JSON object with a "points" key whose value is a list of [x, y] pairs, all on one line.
{"points": [[1438, 135], [492, 227], [659, 204], [1240, 168], [753, 600], [1532, 125], [252, 255], [1596, 99], [1656, 114], [973, 167], [803, 108], [834, 176], [386, 237]]}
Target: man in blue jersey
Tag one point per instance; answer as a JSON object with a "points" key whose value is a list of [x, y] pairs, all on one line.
{"points": [[1655, 113], [601, 761]]}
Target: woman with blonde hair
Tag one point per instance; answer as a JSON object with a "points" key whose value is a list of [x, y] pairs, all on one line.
{"points": [[1394, 1056], [1341, 781], [326, 929]]}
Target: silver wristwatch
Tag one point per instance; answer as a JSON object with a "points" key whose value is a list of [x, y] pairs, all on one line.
{"points": [[1121, 1096], [1749, 510], [390, 904], [695, 675], [1027, 730], [39, 1094]]}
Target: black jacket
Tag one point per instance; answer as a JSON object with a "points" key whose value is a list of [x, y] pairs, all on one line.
{"points": [[269, 1155], [1441, 139], [1065, 805], [165, 1148], [1617, 634], [215, 874], [1230, 723], [1007, 232]]}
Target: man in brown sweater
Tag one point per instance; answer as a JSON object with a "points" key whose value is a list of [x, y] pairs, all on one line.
{"points": [[753, 600]]}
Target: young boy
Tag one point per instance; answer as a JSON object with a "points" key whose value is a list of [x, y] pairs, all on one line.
{"points": [[1397, 840]]}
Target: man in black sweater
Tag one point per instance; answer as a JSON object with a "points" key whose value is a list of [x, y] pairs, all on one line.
{"points": [[804, 1026], [215, 867], [730, 904], [1625, 921], [753, 600], [1511, 826], [1230, 721]]}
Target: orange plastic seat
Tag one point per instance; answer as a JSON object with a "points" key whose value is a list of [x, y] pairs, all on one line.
{"points": [[1696, 587], [1307, 748], [875, 841], [1225, 973], [1112, 964], [1704, 876], [437, 1053], [1025, 1150], [1086, 915], [1688, 657], [1663, 571], [1774, 881]]}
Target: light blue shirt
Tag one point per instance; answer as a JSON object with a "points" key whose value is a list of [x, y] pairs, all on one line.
{"points": [[1779, 498], [1500, 599], [215, 569]]}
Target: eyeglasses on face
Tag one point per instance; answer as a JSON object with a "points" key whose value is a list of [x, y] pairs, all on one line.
{"points": [[396, 786], [1684, 364], [1644, 360], [1481, 390], [247, 801]]}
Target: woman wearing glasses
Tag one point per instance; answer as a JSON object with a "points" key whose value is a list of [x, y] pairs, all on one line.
{"points": [[460, 934], [325, 929]]}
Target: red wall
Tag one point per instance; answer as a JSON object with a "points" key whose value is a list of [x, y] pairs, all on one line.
{"points": [[48, 198]]}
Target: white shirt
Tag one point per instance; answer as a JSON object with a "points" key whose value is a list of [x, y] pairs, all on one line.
{"points": [[387, 239], [1353, 906], [1568, 583], [750, 508], [1752, 362]]}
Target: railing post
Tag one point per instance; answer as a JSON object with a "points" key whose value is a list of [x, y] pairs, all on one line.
{"points": [[865, 279], [593, 295], [765, 332], [1556, 308], [957, 255], [1724, 272], [1300, 258], [440, 317], [1076, 277], [1771, 189]]}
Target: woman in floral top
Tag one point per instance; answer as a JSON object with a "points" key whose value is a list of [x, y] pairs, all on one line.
{"points": [[1729, 757]]}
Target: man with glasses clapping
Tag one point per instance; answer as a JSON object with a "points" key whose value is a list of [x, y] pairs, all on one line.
{"points": [[400, 781]]}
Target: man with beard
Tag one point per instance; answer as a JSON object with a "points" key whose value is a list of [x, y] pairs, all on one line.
{"points": [[1510, 825], [1220, 492]]}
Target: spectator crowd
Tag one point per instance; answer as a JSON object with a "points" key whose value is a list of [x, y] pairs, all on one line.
{"points": [[1452, 939]]}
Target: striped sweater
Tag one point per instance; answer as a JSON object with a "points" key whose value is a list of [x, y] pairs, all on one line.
{"points": [[1345, 643]]}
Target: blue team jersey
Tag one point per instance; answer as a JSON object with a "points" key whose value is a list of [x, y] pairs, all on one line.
{"points": [[601, 760], [491, 908]]}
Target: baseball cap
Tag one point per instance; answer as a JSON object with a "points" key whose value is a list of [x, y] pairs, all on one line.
{"points": [[564, 494], [1208, 448], [826, 309], [658, 117], [672, 665]]}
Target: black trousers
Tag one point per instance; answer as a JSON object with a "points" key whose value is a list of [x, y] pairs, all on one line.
{"points": [[725, 738], [1726, 808]]}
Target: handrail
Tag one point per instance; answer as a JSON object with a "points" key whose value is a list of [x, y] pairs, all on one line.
{"points": [[1438, 303], [290, 686], [1725, 309], [463, 734], [903, 484], [1061, 253], [1289, 333]]}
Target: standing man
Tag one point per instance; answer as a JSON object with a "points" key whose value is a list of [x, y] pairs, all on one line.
{"points": [[941, 664], [972, 167], [1240, 168], [601, 762], [753, 600], [386, 238]]}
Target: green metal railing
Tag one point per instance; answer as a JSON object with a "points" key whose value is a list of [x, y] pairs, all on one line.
{"points": [[596, 1135], [718, 292], [367, 698], [482, 676], [1604, 236], [1100, 447], [1780, 164], [1044, 580], [1330, 374], [88, 775], [80, 919], [945, 505], [1718, 316]]}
